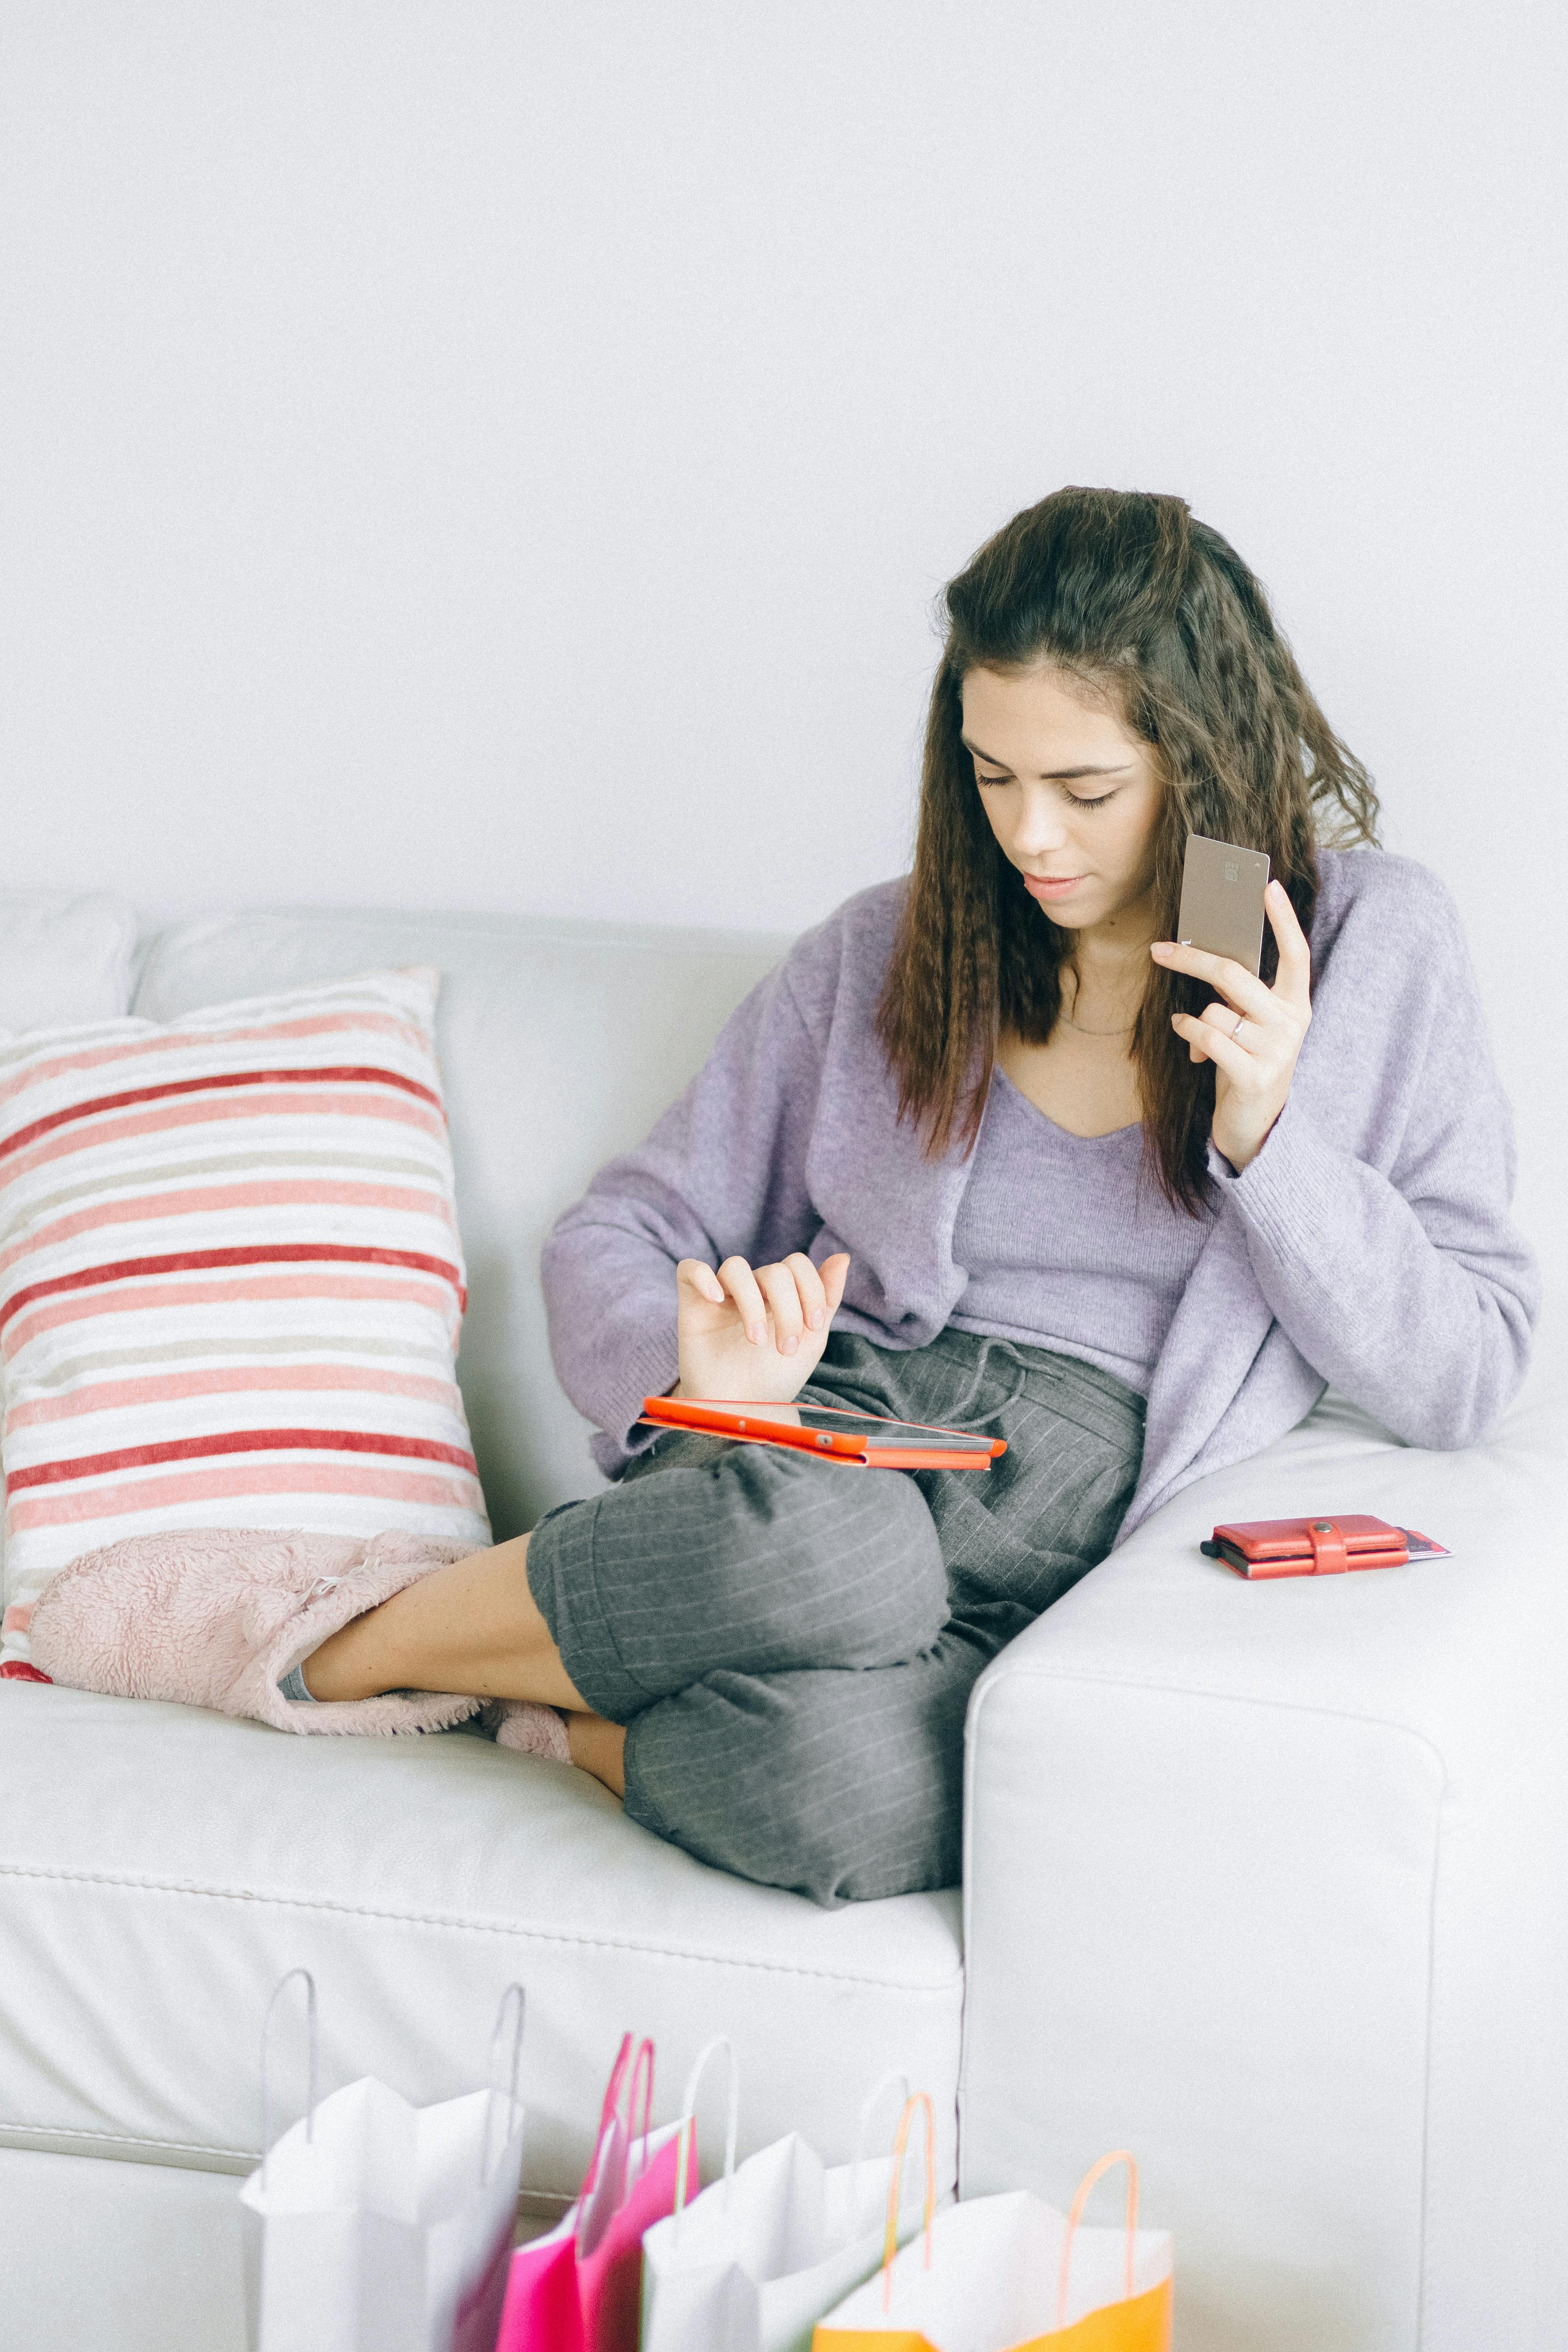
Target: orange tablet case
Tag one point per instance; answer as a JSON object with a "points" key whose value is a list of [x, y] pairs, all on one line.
{"points": [[745, 1418]]}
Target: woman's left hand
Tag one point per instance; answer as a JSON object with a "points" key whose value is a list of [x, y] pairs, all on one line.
{"points": [[1254, 1036]]}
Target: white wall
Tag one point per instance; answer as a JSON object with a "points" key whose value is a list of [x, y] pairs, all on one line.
{"points": [[494, 456]]}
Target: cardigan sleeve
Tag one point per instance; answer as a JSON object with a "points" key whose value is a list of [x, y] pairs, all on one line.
{"points": [[722, 1171], [1393, 1265]]}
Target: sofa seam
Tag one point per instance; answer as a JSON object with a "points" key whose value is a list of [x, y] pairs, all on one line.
{"points": [[479, 1926], [14, 2137], [1228, 1698]]}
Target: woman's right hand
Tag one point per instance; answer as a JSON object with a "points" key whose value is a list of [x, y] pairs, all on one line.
{"points": [[754, 1334]]}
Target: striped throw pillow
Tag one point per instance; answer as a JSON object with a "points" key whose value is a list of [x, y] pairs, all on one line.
{"points": [[231, 1284]]}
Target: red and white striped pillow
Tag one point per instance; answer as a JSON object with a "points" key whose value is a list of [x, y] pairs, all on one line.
{"points": [[231, 1284]]}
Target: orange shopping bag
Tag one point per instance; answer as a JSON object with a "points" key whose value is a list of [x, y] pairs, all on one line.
{"points": [[1010, 2274]]}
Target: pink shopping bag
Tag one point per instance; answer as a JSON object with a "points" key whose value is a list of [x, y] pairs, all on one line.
{"points": [[580, 2289]]}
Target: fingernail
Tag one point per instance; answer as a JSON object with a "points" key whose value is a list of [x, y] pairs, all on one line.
{"points": [[815, 1319], [789, 1345], [1160, 947], [756, 1335]]}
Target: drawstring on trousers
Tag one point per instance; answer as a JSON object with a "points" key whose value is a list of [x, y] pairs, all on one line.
{"points": [[846, 1385], [1021, 1372]]}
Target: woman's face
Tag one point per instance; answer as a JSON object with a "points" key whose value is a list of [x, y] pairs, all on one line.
{"points": [[1071, 796]]}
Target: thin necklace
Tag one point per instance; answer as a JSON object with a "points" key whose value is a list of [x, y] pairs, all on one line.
{"points": [[1094, 1032], [1099, 1033]]}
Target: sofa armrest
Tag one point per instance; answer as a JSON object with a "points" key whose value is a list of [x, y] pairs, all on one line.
{"points": [[1265, 1881]]}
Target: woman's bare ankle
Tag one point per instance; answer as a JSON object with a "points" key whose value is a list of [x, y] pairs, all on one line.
{"points": [[471, 1626], [341, 1668], [600, 1748]]}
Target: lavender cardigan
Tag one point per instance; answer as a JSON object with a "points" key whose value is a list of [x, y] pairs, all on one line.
{"points": [[1368, 1243]]}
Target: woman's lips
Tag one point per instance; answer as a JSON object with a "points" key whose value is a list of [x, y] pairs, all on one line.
{"points": [[1050, 886]]}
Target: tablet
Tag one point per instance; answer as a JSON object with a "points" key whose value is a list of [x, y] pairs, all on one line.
{"points": [[864, 1440]]}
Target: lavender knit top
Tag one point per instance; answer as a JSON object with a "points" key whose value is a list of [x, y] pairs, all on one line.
{"points": [[1097, 1265], [1367, 1245]]}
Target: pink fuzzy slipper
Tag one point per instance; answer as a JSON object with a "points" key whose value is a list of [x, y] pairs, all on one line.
{"points": [[534, 1730], [217, 1616]]}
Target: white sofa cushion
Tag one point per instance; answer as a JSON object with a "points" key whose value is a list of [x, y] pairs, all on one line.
{"points": [[64, 958], [160, 1867]]}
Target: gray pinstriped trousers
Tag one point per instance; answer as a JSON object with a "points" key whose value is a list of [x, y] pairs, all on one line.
{"points": [[792, 1646]]}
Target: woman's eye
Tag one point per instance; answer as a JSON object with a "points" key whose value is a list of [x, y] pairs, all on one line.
{"points": [[1078, 799]]}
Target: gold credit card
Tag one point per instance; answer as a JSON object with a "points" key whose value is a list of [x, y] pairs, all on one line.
{"points": [[1222, 900]]}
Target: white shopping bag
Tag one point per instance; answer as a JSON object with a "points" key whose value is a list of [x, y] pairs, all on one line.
{"points": [[1009, 2274], [374, 2226], [754, 2260]]}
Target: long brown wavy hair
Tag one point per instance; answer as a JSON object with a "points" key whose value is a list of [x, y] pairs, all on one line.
{"points": [[1141, 604]]}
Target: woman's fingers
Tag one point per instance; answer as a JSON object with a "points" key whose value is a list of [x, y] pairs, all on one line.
{"points": [[769, 1291], [781, 1288], [741, 1284], [1226, 1020], [1210, 1045], [1254, 1036], [834, 1274], [820, 1289], [1295, 981], [794, 1296], [1243, 989], [809, 1290], [696, 1275]]}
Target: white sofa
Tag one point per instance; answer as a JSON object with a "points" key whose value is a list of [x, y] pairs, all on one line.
{"points": [[1265, 1882]]}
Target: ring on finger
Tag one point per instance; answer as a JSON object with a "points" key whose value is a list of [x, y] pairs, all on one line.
{"points": [[1236, 1031]]}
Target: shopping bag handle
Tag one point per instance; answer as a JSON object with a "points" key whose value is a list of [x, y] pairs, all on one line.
{"points": [[1096, 2172], [613, 2092], [868, 2108], [489, 2160], [642, 2066], [685, 2147], [610, 2108], [609, 2113], [895, 2188], [310, 1984]]}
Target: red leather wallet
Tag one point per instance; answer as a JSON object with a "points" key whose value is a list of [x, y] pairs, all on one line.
{"points": [[1324, 1547]]}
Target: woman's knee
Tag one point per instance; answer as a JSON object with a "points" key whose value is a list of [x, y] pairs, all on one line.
{"points": [[863, 1550], [839, 1786], [845, 1564], [754, 1565]]}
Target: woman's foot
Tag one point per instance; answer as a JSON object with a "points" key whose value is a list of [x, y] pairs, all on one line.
{"points": [[475, 1627], [586, 1740], [220, 1617], [528, 1728]]}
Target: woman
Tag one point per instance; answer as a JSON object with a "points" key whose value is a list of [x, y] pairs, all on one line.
{"points": [[987, 1148]]}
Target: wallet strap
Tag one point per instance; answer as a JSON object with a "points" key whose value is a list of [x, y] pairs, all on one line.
{"points": [[1330, 1556]]}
